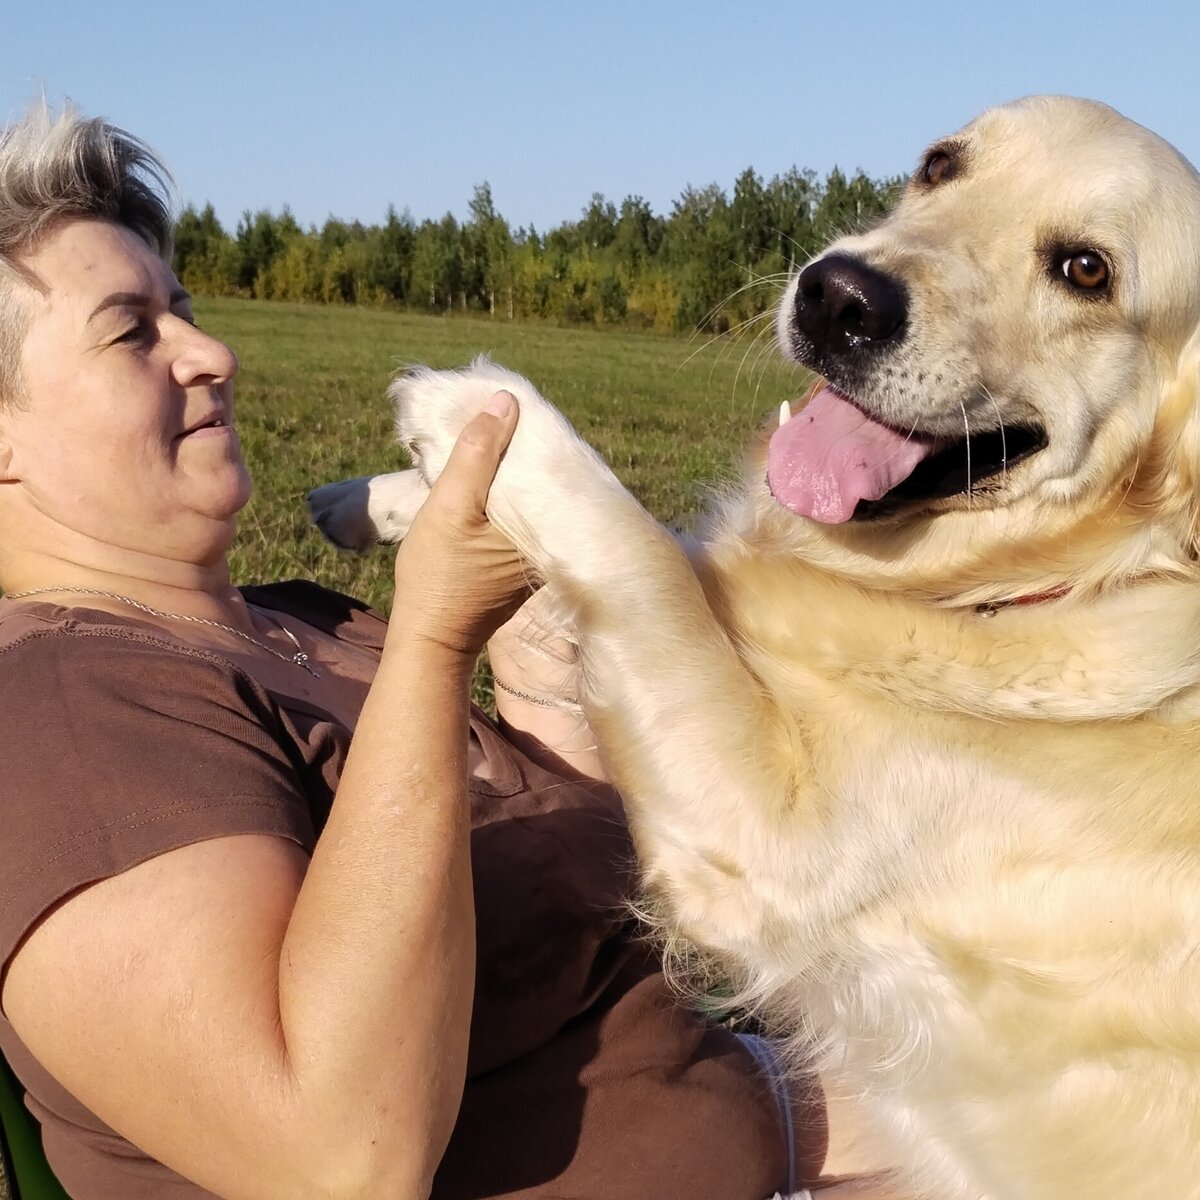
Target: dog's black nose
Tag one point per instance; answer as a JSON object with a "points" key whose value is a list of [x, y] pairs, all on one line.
{"points": [[841, 304]]}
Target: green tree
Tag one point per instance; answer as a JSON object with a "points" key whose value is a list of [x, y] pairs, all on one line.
{"points": [[791, 199], [297, 273], [437, 264], [260, 239], [488, 246], [390, 251], [837, 211], [637, 237], [750, 217], [598, 227], [700, 266], [702, 252], [206, 259]]}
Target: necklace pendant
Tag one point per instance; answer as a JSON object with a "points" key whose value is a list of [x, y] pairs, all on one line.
{"points": [[301, 660]]}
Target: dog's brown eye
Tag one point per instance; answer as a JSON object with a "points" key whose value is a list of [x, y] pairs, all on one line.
{"points": [[938, 167], [1086, 271]]}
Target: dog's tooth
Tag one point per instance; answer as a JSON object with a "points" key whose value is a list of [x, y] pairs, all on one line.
{"points": [[785, 414]]}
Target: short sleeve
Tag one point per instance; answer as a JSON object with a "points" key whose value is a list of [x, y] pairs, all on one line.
{"points": [[119, 748]]}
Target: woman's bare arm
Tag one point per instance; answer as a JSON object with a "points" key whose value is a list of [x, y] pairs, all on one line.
{"points": [[269, 1027]]}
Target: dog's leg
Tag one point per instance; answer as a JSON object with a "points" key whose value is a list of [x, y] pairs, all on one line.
{"points": [[698, 749]]}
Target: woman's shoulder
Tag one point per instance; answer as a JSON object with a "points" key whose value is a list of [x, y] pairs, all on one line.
{"points": [[37, 631], [94, 705], [120, 745], [61, 662], [33, 634]]}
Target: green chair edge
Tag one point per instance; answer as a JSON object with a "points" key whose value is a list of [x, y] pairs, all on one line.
{"points": [[21, 1157]]}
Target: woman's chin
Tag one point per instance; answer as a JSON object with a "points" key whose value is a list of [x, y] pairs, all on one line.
{"points": [[224, 498], [210, 532]]}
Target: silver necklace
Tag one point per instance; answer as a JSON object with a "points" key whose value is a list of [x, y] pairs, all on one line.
{"points": [[300, 659]]}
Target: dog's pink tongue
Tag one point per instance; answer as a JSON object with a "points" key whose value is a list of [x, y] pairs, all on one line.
{"points": [[831, 455]]}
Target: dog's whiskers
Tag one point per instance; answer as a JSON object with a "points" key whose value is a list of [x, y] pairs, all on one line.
{"points": [[760, 327], [765, 322], [766, 345], [1129, 484], [908, 437], [755, 344], [804, 254], [780, 365], [755, 281], [731, 334], [1003, 440], [967, 432]]}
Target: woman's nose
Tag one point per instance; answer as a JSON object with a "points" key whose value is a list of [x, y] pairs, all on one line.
{"points": [[203, 358]]}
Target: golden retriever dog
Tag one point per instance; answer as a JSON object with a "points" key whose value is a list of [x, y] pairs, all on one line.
{"points": [[910, 738]]}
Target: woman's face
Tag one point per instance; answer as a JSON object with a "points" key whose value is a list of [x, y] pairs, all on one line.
{"points": [[125, 431]]}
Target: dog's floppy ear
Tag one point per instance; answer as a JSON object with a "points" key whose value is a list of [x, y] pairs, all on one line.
{"points": [[1169, 476], [7, 471]]}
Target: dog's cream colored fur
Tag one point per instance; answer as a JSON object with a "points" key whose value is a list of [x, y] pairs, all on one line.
{"points": [[959, 858]]}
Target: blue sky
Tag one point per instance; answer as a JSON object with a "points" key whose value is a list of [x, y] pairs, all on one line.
{"points": [[344, 108]]}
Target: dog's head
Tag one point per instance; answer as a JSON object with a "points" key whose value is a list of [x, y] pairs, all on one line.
{"points": [[1009, 365]]}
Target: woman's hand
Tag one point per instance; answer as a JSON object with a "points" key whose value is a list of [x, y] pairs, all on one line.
{"points": [[458, 579], [535, 663], [535, 652]]}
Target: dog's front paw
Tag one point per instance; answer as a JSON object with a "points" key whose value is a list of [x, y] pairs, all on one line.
{"points": [[548, 476], [358, 513], [432, 407]]}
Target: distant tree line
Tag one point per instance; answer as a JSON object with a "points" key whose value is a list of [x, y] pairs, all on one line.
{"points": [[709, 264]]}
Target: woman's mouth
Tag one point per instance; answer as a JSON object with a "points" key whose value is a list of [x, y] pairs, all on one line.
{"points": [[216, 426]]}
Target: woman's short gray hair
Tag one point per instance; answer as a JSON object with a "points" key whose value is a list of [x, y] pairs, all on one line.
{"points": [[57, 167]]}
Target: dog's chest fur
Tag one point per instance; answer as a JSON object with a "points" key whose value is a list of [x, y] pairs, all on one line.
{"points": [[1001, 882]]}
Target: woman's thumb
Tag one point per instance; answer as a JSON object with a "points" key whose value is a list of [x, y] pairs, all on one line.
{"points": [[471, 467]]}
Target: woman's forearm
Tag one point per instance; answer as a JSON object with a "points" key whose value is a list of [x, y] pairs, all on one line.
{"points": [[377, 967]]}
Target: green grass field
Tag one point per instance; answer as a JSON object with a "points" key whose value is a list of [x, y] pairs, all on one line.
{"points": [[670, 415]]}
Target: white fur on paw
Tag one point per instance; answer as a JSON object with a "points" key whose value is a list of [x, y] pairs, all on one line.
{"points": [[548, 474], [432, 407], [358, 513]]}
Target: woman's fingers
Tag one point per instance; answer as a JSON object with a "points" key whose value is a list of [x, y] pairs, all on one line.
{"points": [[458, 578]]}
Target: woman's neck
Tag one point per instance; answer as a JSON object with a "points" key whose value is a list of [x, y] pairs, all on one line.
{"points": [[170, 586]]}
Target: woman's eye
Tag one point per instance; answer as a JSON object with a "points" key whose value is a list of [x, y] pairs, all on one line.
{"points": [[139, 332]]}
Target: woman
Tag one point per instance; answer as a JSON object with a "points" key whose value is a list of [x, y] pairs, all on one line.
{"points": [[240, 949]]}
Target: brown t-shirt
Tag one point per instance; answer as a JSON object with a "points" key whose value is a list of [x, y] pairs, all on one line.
{"points": [[586, 1078]]}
